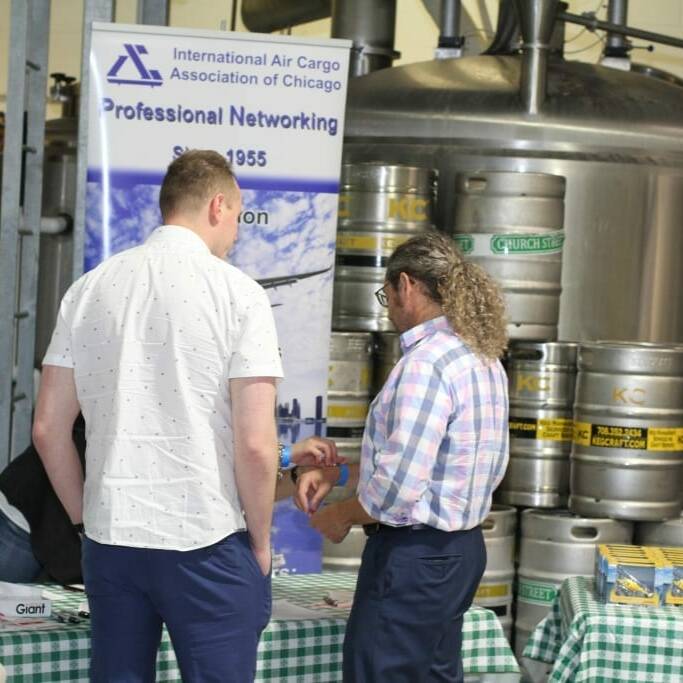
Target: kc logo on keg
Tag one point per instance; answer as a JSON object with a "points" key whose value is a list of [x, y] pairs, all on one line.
{"points": [[408, 209], [628, 396], [532, 383]]}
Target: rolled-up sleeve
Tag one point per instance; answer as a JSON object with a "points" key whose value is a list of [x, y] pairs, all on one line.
{"points": [[60, 351], [256, 352], [417, 421]]}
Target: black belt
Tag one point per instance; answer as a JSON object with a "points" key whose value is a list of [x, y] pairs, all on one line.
{"points": [[372, 529]]}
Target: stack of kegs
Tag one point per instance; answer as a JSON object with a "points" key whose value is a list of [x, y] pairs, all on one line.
{"points": [[541, 390], [348, 390], [555, 545], [496, 587], [627, 457], [380, 207], [623, 454], [512, 224]]}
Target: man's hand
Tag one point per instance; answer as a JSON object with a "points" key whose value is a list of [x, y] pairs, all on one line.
{"points": [[313, 484], [332, 522], [264, 559], [315, 451]]}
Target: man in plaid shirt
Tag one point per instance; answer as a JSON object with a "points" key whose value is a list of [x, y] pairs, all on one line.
{"points": [[434, 449]]}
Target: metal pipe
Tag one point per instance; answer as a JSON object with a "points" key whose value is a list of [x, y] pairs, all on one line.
{"points": [[537, 18], [617, 45], [451, 41], [371, 26], [266, 16], [449, 24], [592, 23]]}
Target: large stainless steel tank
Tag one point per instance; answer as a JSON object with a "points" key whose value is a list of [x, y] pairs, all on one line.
{"points": [[511, 224], [616, 137], [627, 455], [541, 388]]}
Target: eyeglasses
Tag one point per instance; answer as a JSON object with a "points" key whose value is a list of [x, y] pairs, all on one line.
{"points": [[381, 297]]}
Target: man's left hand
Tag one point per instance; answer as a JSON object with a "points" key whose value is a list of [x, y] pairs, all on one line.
{"points": [[316, 451], [332, 522]]}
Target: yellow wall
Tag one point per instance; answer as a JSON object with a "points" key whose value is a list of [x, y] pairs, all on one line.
{"points": [[416, 33]]}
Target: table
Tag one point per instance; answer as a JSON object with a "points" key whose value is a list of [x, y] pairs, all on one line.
{"points": [[590, 641], [291, 650]]}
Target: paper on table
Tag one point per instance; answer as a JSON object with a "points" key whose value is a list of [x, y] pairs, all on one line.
{"points": [[19, 590]]}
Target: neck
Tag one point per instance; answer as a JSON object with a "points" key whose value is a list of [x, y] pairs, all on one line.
{"points": [[193, 225], [422, 314]]}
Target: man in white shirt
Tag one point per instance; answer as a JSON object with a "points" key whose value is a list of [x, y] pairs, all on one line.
{"points": [[171, 354]]}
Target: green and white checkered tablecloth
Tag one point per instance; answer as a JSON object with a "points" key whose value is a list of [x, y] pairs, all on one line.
{"points": [[590, 641], [292, 650]]}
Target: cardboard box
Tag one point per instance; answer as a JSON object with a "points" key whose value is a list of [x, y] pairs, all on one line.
{"points": [[673, 587], [630, 575]]}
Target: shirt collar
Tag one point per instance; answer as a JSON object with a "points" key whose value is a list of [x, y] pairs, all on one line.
{"points": [[415, 334], [179, 235]]}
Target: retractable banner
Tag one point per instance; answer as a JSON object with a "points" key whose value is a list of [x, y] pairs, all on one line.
{"points": [[274, 106]]}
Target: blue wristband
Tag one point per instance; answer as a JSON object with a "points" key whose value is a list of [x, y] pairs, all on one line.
{"points": [[343, 475], [285, 456]]}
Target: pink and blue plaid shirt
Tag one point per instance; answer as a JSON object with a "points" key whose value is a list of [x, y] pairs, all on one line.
{"points": [[435, 445]]}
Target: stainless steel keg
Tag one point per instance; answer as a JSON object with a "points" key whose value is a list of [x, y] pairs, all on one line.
{"points": [[348, 387], [669, 533], [627, 454], [344, 556], [380, 207], [541, 389], [555, 545], [512, 225], [387, 351], [495, 588]]}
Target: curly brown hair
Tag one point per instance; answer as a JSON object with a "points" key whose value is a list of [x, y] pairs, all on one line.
{"points": [[468, 295]]}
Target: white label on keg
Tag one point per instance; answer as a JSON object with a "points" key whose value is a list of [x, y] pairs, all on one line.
{"points": [[536, 593], [510, 244], [663, 439]]}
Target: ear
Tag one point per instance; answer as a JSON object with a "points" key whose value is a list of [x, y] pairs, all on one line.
{"points": [[405, 284], [216, 207]]}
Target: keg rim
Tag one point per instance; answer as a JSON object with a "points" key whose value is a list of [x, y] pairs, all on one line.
{"points": [[618, 344], [566, 514]]}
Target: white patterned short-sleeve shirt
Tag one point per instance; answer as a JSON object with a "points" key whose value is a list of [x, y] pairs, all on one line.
{"points": [[154, 334]]}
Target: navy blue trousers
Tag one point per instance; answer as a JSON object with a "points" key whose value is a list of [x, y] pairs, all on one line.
{"points": [[414, 586], [214, 602]]}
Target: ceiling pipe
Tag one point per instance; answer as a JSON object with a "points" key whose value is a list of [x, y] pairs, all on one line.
{"points": [[451, 41], [266, 16], [537, 18], [372, 28], [592, 24], [617, 45]]}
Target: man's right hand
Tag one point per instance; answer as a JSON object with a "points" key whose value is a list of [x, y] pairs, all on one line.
{"points": [[313, 485], [264, 559]]}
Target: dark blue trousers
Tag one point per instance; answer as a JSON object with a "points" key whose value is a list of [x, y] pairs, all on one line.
{"points": [[214, 602], [414, 586]]}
